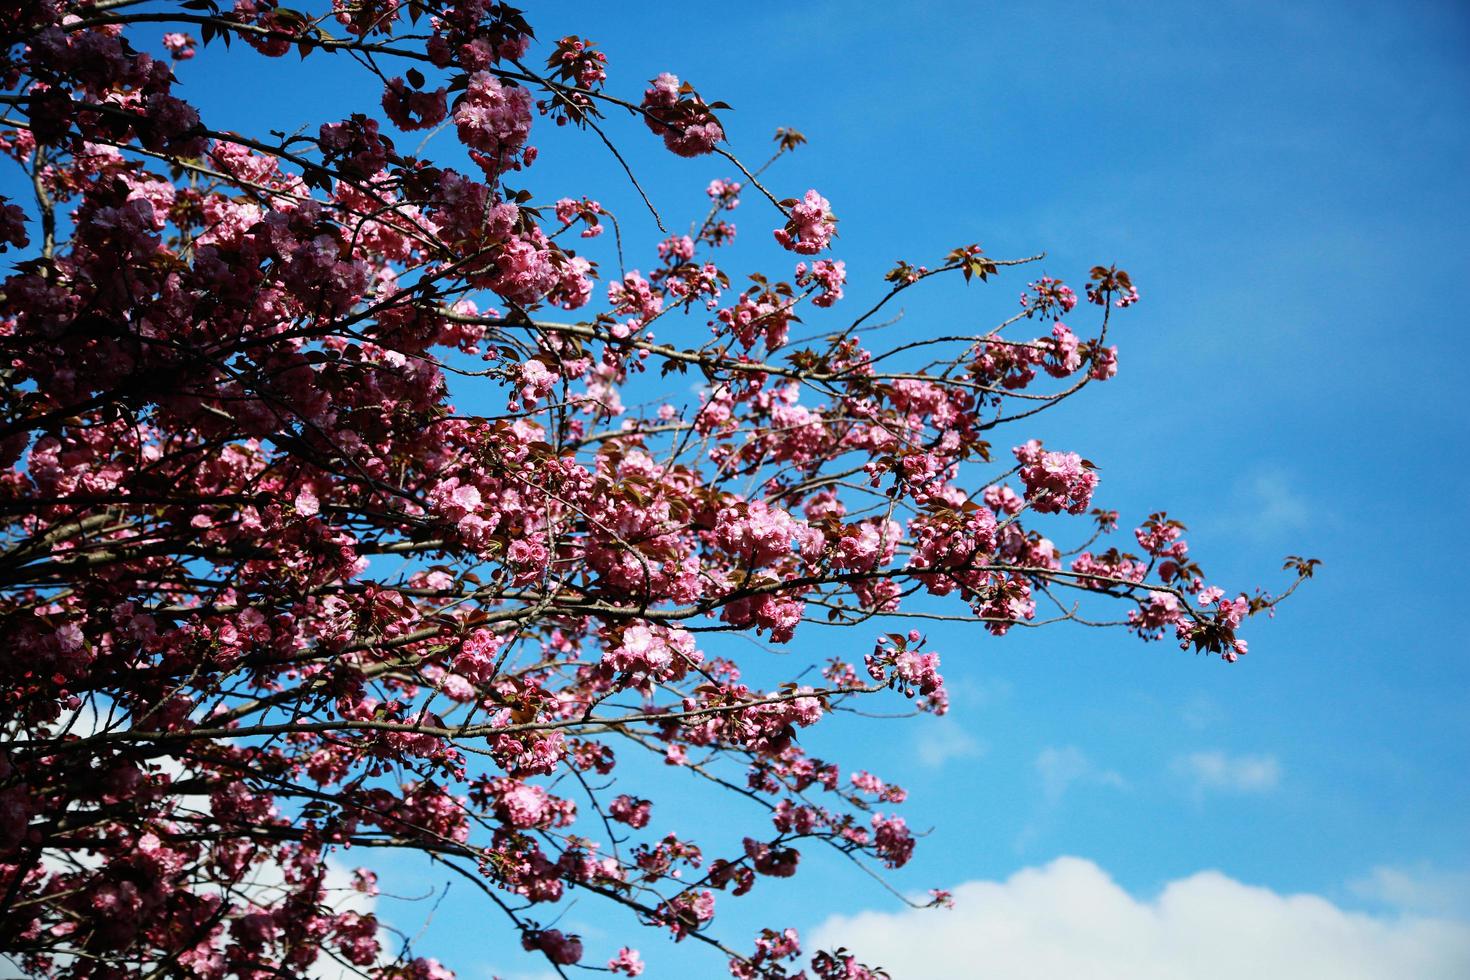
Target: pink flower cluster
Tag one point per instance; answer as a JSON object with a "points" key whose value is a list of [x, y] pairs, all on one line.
{"points": [[759, 317], [1104, 571], [1048, 296], [826, 276], [1003, 500], [676, 249], [810, 227], [558, 947], [478, 654], [576, 59], [180, 46], [630, 810], [526, 806], [866, 545], [1063, 351], [872, 785], [771, 947], [494, 121], [628, 962], [761, 535], [726, 193], [12, 226], [897, 660], [355, 145], [413, 108], [651, 650], [674, 112], [568, 210], [636, 295], [1055, 481]]}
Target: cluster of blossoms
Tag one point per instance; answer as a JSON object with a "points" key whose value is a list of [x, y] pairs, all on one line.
{"points": [[270, 597], [494, 122], [811, 225], [1048, 296], [1055, 481], [826, 276], [180, 46], [725, 193], [581, 69], [1108, 568], [896, 661], [677, 113], [578, 60], [412, 108], [586, 210], [653, 651], [760, 534], [1111, 283], [759, 316]]}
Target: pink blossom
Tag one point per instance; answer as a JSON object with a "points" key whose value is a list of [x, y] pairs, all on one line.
{"points": [[653, 650], [631, 811], [568, 210], [892, 840], [1003, 500], [725, 192], [1064, 354], [537, 381], [12, 226], [627, 962], [811, 225], [827, 276], [687, 125], [558, 947], [524, 806], [411, 108], [494, 119], [1048, 295], [180, 46], [1055, 481], [306, 503], [676, 248], [761, 534], [477, 655]]}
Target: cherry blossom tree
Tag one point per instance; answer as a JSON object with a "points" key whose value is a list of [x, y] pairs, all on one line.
{"points": [[269, 598]]}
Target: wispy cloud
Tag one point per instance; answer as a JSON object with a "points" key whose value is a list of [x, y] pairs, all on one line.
{"points": [[1062, 768], [1220, 772], [489, 973], [1059, 769], [978, 692], [1268, 504], [1421, 888], [1200, 712], [945, 740]]}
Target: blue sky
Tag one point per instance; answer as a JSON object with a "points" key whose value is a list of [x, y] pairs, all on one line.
{"points": [[1288, 187]]}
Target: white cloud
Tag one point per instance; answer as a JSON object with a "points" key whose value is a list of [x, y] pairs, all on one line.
{"points": [[491, 974], [1266, 505], [1201, 712], [975, 692], [945, 739], [1209, 771], [1420, 889], [1069, 919], [1061, 768]]}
